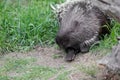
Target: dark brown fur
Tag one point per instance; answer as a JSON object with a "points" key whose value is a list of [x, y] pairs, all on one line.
{"points": [[78, 24]]}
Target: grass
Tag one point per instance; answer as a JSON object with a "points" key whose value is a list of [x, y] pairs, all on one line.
{"points": [[109, 40], [24, 69], [26, 23], [89, 70], [27, 69], [63, 76], [14, 64], [37, 73]]}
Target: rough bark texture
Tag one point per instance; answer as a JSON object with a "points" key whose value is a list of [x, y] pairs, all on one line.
{"points": [[109, 7]]}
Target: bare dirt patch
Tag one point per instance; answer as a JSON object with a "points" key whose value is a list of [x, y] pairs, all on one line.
{"points": [[52, 57]]}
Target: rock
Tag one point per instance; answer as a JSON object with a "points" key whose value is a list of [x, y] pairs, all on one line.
{"points": [[111, 63]]}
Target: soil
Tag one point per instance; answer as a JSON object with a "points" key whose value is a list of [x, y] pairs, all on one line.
{"points": [[49, 56]]}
